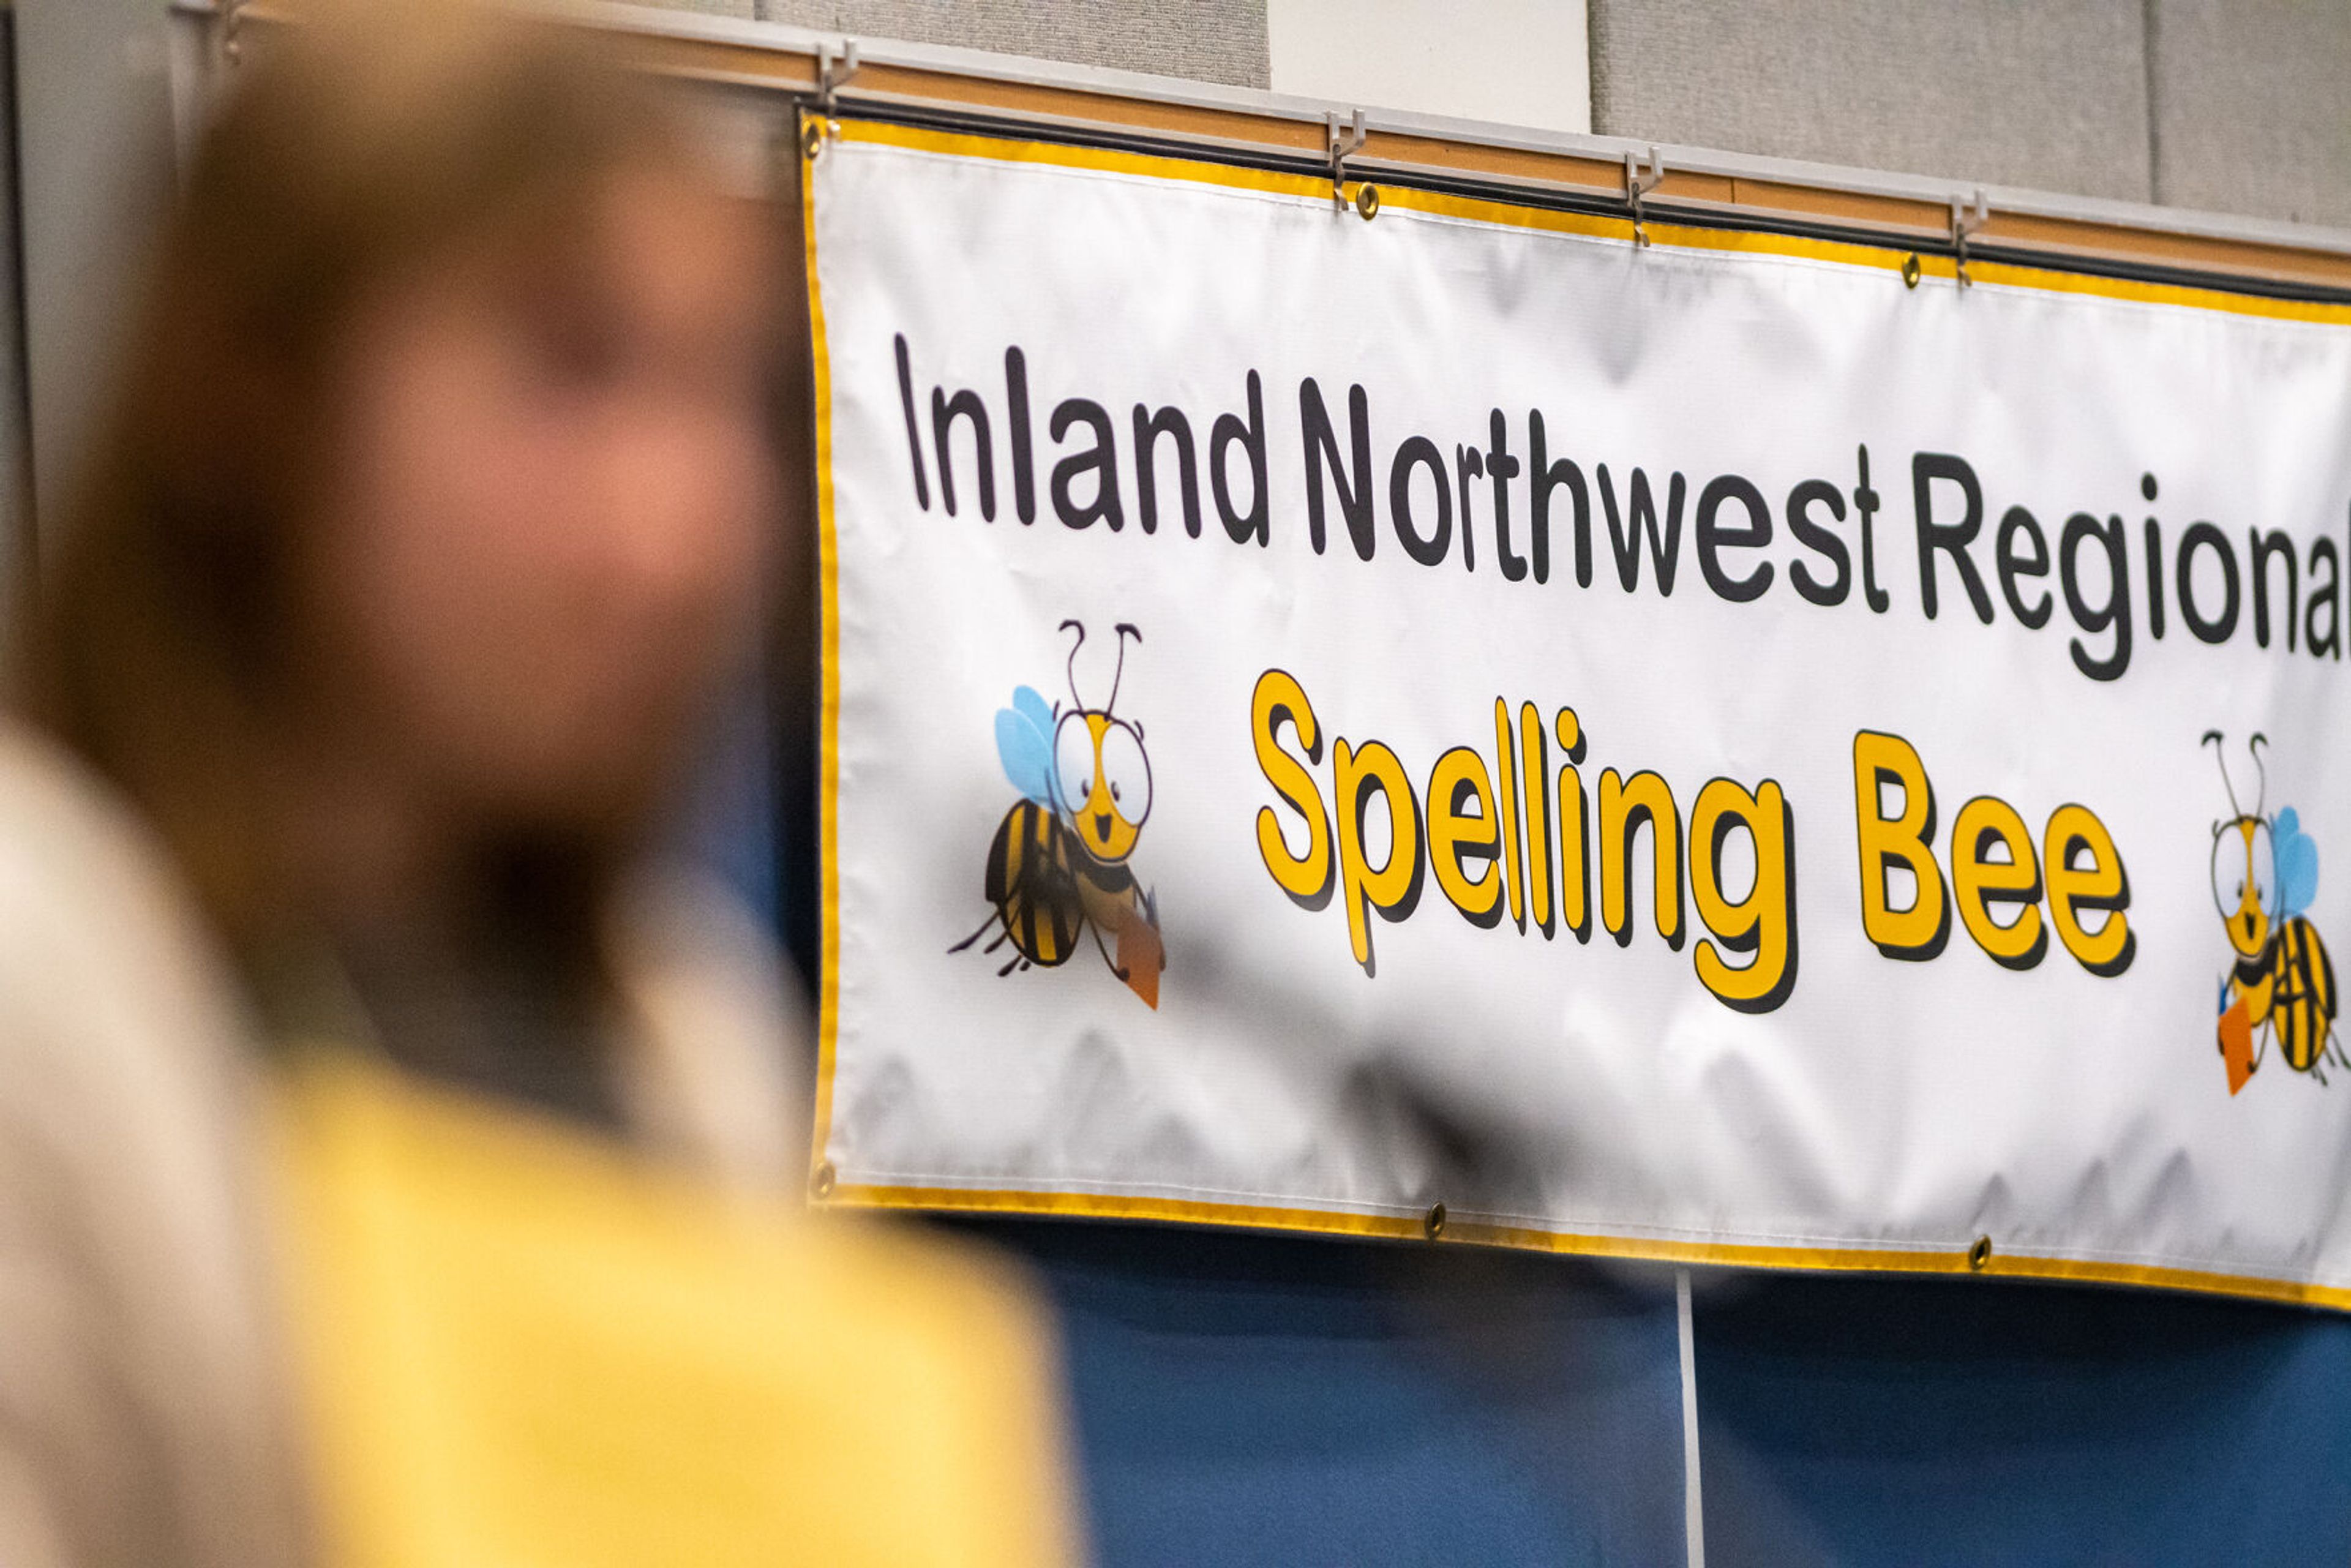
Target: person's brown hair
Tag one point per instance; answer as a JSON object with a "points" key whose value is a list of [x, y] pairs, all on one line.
{"points": [[358, 147]]}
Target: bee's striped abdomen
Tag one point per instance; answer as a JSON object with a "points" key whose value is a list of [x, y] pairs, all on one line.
{"points": [[1029, 882], [2302, 1006]]}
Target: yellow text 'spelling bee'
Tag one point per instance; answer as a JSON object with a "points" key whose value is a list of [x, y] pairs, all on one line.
{"points": [[1058, 863], [2264, 874]]}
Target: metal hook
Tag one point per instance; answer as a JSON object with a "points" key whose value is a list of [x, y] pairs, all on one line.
{"points": [[830, 82], [232, 24], [1638, 185], [1964, 224], [1343, 145]]}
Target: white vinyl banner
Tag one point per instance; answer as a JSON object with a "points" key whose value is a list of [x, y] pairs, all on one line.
{"points": [[1454, 722]]}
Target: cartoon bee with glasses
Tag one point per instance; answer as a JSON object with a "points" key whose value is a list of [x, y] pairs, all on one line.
{"points": [[2281, 987], [1058, 865]]}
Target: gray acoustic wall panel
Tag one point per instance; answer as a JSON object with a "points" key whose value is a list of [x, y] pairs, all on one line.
{"points": [[2252, 107], [93, 92], [2046, 93], [2240, 106], [1201, 40], [16, 411]]}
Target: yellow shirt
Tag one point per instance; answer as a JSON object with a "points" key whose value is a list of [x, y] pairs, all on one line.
{"points": [[524, 1347]]}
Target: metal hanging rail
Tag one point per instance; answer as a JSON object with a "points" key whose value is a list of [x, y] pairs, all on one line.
{"points": [[1662, 182]]}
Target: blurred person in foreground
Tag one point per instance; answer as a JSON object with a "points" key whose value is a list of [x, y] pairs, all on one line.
{"points": [[393, 1159]]}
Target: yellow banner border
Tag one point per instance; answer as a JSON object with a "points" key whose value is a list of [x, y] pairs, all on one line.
{"points": [[1965, 1259], [1885, 257]]}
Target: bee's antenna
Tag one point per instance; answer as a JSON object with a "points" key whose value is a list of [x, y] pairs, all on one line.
{"points": [[1124, 631], [1073, 658], [2213, 739], [2254, 745]]}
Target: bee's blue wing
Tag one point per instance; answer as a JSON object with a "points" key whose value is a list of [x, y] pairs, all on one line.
{"points": [[2298, 864], [1025, 700], [1024, 744]]}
